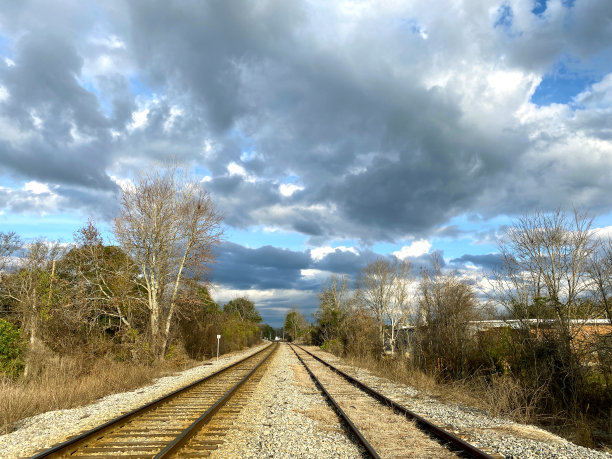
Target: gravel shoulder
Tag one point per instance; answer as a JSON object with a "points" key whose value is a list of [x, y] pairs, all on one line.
{"points": [[492, 434], [287, 417], [53, 427]]}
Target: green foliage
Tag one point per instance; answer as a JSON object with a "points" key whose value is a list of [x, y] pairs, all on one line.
{"points": [[237, 334], [295, 325], [267, 331], [11, 362], [243, 309], [333, 346]]}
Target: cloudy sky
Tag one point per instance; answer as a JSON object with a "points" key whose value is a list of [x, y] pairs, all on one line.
{"points": [[328, 133]]}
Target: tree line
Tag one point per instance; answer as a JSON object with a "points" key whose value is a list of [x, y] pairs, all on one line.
{"points": [[555, 272], [137, 300]]}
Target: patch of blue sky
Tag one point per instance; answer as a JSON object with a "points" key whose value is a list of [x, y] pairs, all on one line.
{"points": [[6, 46], [244, 142], [412, 25], [603, 220], [7, 182], [248, 154], [475, 223], [385, 248], [258, 236], [539, 6], [138, 88], [104, 102], [505, 17], [201, 172], [456, 248], [561, 87], [291, 180], [57, 226]]}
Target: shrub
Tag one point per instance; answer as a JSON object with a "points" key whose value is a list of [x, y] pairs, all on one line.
{"points": [[333, 346], [11, 359]]}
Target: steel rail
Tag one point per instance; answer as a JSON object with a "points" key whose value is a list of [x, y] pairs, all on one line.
{"points": [[182, 439], [461, 445], [72, 444], [352, 427]]}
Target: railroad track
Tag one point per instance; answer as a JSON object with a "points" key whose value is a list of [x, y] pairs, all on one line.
{"points": [[190, 422], [347, 395]]}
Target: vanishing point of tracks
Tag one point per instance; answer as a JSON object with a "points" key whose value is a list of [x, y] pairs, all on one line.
{"points": [[359, 405], [189, 422]]}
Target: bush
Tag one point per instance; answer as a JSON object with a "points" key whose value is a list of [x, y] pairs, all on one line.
{"points": [[11, 359], [333, 346]]}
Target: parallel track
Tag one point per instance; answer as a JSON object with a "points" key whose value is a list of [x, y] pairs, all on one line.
{"points": [[190, 421], [447, 439]]}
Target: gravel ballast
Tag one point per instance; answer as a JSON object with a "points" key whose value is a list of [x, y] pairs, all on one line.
{"points": [[287, 417], [53, 427]]}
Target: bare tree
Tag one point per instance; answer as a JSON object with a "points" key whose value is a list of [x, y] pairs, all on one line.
{"points": [[384, 289], [400, 306], [546, 260], [34, 289], [169, 226], [295, 323], [545, 278], [335, 301], [9, 244], [600, 272], [446, 306]]}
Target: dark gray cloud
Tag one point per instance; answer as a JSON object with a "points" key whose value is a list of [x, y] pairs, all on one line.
{"points": [[267, 267], [242, 268], [489, 262]]}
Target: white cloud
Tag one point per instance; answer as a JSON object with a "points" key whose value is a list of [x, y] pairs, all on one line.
{"points": [[314, 274], [321, 252], [287, 189], [263, 299], [604, 232], [78, 137], [597, 96], [175, 112], [4, 95], [109, 41], [234, 168], [139, 119], [36, 187], [36, 120], [122, 182], [415, 249]]}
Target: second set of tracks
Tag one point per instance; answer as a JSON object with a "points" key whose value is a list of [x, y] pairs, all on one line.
{"points": [[189, 422], [377, 423]]}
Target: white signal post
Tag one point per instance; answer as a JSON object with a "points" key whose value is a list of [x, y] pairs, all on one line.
{"points": [[218, 338]]}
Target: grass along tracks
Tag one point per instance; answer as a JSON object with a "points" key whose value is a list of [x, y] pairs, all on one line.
{"points": [[192, 420]]}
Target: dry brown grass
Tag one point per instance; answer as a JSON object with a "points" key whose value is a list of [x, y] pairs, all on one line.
{"points": [[503, 396], [301, 378], [68, 382]]}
